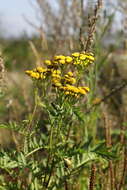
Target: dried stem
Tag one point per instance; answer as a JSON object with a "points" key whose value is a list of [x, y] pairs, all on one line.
{"points": [[92, 25], [66, 185], [92, 177], [106, 97], [35, 52], [124, 172], [81, 27], [2, 73], [123, 111], [107, 126]]}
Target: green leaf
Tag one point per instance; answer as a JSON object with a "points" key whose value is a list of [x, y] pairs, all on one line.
{"points": [[78, 114], [87, 144], [99, 146]]}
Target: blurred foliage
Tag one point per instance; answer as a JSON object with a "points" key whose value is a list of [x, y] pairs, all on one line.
{"points": [[99, 132], [17, 54]]}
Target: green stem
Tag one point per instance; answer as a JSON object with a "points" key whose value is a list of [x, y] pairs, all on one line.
{"points": [[50, 173], [50, 152], [34, 111]]}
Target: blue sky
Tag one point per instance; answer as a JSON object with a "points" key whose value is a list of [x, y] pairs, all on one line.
{"points": [[12, 14]]}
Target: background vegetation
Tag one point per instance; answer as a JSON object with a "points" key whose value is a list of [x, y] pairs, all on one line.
{"points": [[48, 144]]}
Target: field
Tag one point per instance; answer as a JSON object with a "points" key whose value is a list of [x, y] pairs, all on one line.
{"points": [[63, 102]]}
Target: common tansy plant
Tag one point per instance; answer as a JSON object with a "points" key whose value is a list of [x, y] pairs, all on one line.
{"points": [[59, 71]]}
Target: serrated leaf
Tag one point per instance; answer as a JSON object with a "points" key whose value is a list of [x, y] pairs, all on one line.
{"points": [[87, 144], [78, 114], [99, 146], [23, 159]]}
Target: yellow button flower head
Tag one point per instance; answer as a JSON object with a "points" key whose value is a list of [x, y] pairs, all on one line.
{"points": [[72, 80], [76, 54], [69, 59], [75, 90], [28, 72], [66, 76], [56, 72], [54, 64], [56, 75], [70, 74], [82, 91], [67, 92], [56, 80], [58, 57], [62, 61], [40, 69], [57, 84], [90, 57], [35, 75], [42, 76], [48, 62], [71, 88], [62, 57], [82, 56], [77, 62], [86, 88], [69, 79]]}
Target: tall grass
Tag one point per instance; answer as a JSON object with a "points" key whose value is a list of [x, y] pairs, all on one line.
{"points": [[66, 139]]}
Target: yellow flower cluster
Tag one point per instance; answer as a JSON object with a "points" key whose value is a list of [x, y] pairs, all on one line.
{"points": [[67, 81], [83, 58], [38, 73], [59, 81], [63, 83], [76, 58], [75, 91], [56, 78]]}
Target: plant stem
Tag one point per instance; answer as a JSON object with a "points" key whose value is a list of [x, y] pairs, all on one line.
{"points": [[92, 177], [51, 170], [124, 170], [50, 152], [108, 139]]}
